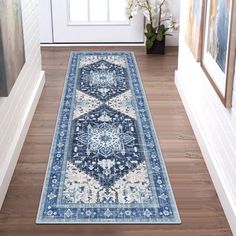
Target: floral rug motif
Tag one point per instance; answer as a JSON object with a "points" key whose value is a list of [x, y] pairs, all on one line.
{"points": [[105, 163]]}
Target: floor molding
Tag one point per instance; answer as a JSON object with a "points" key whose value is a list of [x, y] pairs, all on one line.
{"points": [[8, 166], [208, 154], [92, 44]]}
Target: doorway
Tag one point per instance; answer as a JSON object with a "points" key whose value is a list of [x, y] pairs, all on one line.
{"points": [[93, 21]]}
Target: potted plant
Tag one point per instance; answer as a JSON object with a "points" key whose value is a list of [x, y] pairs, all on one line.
{"points": [[159, 22]]}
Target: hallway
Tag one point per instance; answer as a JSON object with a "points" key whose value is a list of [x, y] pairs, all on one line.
{"points": [[196, 198]]}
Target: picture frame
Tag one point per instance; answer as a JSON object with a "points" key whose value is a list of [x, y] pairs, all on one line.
{"points": [[219, 46], [12, 49], [194, 27]]}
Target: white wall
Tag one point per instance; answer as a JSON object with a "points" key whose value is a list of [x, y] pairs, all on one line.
{"points": [[174, 6], [16, 111], [213, 124], [45, 21]]}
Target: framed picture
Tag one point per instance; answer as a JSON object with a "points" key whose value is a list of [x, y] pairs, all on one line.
{"points": [[219, 46], [194, 26], [12, 52]]}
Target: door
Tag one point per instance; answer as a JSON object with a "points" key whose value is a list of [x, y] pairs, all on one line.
{"points": [[95, 21]]}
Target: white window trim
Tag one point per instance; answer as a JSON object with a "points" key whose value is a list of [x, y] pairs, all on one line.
{"points": [[89, 23]]}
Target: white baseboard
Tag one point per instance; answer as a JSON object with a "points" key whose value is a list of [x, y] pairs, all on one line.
{"points": [[8, 166], [92, 44], [214, 169], [170, 41]]}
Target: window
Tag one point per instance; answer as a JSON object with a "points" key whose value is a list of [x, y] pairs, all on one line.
{"points": [[97, 12]]}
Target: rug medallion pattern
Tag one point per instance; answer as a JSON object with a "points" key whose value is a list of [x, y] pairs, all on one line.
{"points": [[105, 164]]}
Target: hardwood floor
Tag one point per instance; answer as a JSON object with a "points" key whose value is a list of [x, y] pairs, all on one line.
{"points": [[199, 207]]}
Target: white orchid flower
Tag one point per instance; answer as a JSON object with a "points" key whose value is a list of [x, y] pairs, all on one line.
{"points": [[156, 12]]}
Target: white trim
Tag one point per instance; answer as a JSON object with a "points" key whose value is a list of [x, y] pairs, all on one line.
{"points": [[171, 41], [208, 153], [108, 10], [45, 19], [88, 10], [93, 45], [74, 23], [8, 166]]}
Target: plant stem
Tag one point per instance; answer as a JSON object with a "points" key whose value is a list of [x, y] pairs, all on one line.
{"points": [[150, 12], [148, 7], [160, 12]]}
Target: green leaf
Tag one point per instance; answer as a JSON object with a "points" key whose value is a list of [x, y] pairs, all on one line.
{"points": [[149, 35], [149, 28], [155, 30], [161, 27], [159, 36], [166, 29], [153, 38], [149, 44]]}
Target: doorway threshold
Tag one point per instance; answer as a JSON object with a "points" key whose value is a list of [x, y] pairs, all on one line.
{"points": [[90, 44]]}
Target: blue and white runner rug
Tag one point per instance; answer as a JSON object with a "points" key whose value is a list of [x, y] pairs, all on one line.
{"points": [[105, 164]]}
